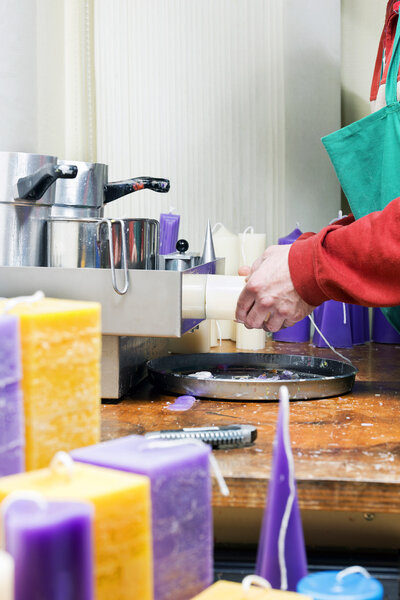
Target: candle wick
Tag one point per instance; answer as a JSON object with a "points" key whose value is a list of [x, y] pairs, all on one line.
{"points": [[62, 462]]}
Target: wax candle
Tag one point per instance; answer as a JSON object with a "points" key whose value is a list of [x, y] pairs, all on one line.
{"points": [[359, 322], [192, 342], [382, 331], [122, 529], [333, 320], [226, 245], [249, 339], [60, 347], [251, 246], [353, 583], [52, 546], [222, 293], [228, 590], [281, 557], [6, 576], [215, 335], [169, 231], [181, 507], [299, 332], [12, 436]]}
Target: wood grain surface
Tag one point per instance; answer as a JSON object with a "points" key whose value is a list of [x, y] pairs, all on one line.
{"points": [[346, 449]]}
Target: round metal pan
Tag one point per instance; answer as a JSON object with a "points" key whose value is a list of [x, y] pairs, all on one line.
{"points": [[247, 376]]}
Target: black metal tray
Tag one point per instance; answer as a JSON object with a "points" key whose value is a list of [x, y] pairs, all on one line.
{"points": [[249, 376]]}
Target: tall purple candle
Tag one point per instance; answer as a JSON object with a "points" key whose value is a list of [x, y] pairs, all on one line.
{"points": [[169, 231], [51, 543], [281, 556], [359, 321], [12, 435], [299, 332], [181, 507], [382, 331], [333, 320]]}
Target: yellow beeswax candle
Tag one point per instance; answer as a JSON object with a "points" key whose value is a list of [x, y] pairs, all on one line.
{"points": [[228, 590], [60, 347], [122, 528]]}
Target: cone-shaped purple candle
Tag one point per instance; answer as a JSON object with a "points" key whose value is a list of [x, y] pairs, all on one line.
{"points": [[359, 321], [300, 332], [281, 557], [382, 331], [333, 319], [12, 434]]}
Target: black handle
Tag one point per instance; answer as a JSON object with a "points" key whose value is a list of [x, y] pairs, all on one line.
{"points": [[117, 189], [182, 246], [32, 187]]}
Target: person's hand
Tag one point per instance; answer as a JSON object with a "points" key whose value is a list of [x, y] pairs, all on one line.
{"points": [[269, 300]]}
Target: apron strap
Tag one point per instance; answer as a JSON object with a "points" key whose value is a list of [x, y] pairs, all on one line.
{"points": [[376, 79], [391, 80]]}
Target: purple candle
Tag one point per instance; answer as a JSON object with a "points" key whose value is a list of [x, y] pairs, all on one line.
{"points": [[300, 332], [333, 319], [12, 434], [181, 507], [281, 556], [51, 543], [359, 321], [169, 231], [382, 331]]}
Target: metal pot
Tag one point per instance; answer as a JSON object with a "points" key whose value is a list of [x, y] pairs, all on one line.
{"points": [[26, 197], [141, 238], [86, 196]]}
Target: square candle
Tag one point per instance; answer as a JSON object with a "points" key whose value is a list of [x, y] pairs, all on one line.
{"points": [[181, 507], [122, 528], [60, 348]]}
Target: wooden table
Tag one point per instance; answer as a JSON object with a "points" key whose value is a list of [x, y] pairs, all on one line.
{"points": [[346, 450]]}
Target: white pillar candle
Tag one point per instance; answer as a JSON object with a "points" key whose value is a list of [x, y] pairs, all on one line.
{"points": [[214, 333], [226, 245], [192, 342], [234, 331], [251, 246], [6, 576], [249, 339], [226, 329], [194, 296], [222, 293]]}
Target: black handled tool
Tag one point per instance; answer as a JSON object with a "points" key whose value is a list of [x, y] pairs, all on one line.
{"points": [[227, 436]]}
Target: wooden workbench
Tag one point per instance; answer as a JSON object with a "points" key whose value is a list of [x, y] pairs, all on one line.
{"points": [[346, 449]]}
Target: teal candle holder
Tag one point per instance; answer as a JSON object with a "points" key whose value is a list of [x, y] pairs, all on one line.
{"points": [[353, 583]]}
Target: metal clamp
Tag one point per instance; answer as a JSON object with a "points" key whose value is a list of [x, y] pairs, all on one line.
{"points": [[109, 222]]}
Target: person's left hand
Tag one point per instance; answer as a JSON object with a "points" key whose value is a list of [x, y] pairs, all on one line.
{"points": [[269, 300]]}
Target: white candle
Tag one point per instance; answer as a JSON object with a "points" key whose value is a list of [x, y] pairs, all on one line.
{"points": [[251, 246], [192, 342], [193, 296], [249, 339], [226, 245], [234, 331], [6, 576], [222, 293]]}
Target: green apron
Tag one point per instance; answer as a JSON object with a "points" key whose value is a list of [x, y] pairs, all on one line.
{"points": [[366, 158]]}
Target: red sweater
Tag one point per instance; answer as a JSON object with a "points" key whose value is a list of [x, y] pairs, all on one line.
{"points": [[353, 261]]}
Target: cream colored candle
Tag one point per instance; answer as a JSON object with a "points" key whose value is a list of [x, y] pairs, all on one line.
{"points": [[234, 331], [6, 576], [228, 590], [193, 296], [251, 246], [226, 329], [222, 293], [192, 342], [249, 339], [226, 245]]}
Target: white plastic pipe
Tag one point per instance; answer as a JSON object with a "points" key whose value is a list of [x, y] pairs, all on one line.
{"points": [[210, 296]]}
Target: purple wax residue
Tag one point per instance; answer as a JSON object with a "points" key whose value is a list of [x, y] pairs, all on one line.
{"points": [[182, 403]]}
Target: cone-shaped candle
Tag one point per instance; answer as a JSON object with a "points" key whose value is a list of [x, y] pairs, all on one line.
{"points": [[333, 319], [208, 254], [281, 557]]}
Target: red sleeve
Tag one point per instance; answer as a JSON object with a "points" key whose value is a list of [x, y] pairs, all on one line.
{"points": [[351, 261]]}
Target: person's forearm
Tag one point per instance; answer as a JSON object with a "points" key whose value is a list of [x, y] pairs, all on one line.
{"points": [[356, 262]]}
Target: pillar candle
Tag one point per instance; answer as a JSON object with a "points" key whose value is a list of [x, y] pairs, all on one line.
{"points": [[214, 334], [6, 576], [52, 546], [222, 293], [60, 346], [249, 339], [353, 583], [169, 231], [290, 237], [192, 342], [251, 246], [333, 320], [228, 590], [122, 529], [382, 331], [281, 557], [226, 245], [181, 507], [359, 322], [12, 435]]}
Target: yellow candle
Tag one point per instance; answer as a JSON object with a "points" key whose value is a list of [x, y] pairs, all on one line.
{"points": [[61, 346], [228, 590], [122, 529], [6, 576]]}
